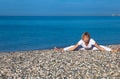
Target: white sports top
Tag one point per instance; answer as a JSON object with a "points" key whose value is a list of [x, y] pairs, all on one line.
{"points": [[91, 43]]}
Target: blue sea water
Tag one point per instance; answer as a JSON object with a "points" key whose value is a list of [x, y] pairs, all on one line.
{"points": [[21, 33]]}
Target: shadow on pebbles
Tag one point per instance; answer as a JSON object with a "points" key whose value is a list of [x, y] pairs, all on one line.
{"points": [[48, 64]]}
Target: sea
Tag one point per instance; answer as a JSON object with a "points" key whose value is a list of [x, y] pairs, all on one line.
{"points": [[25, 33]]}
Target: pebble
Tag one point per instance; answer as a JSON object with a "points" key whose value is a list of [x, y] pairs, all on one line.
{"points": [[48, 64]]}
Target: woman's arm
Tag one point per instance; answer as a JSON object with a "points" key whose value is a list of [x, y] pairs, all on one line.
{"points": [[73, 48], [100, 48]]}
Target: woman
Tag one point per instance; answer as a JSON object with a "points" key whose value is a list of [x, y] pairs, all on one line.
{"points": [[87, 43]]}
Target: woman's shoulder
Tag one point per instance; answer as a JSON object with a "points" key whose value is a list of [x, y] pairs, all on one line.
{"points": [[80, 41], [92, 40]]}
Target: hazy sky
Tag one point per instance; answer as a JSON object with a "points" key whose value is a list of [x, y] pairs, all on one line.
{"points": [[58, 7]]}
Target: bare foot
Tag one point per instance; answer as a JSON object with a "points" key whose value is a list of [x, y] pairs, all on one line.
{"points": [[118, 49], [115, 50], [58, 49]]}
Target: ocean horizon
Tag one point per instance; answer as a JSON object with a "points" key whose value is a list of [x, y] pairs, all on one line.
{"points": [[23, 33]]}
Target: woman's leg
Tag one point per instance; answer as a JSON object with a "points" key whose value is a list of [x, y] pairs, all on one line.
{"points": [[106, 48], [67, 48], [63, 49], [95, 48]]}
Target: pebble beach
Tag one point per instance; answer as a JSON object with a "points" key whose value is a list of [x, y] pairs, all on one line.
{"points": [[49, 64]]}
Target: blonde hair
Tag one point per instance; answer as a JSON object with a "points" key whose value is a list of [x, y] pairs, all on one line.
{"points": [[85, 34]]}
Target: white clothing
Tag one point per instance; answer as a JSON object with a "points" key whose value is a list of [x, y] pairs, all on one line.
{"points": [[82, 43], [89, 46]]}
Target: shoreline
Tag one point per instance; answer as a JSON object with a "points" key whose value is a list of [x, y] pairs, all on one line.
{"points": [[108, 45], [49, 64]]}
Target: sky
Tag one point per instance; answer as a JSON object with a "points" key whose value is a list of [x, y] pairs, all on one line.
{"points": [[59, 7]]}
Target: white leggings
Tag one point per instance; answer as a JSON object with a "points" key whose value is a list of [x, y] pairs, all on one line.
{"points": [[94, 48]]}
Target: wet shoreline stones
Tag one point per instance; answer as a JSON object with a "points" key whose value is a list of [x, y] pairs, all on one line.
{"points": [[48, 64]]}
